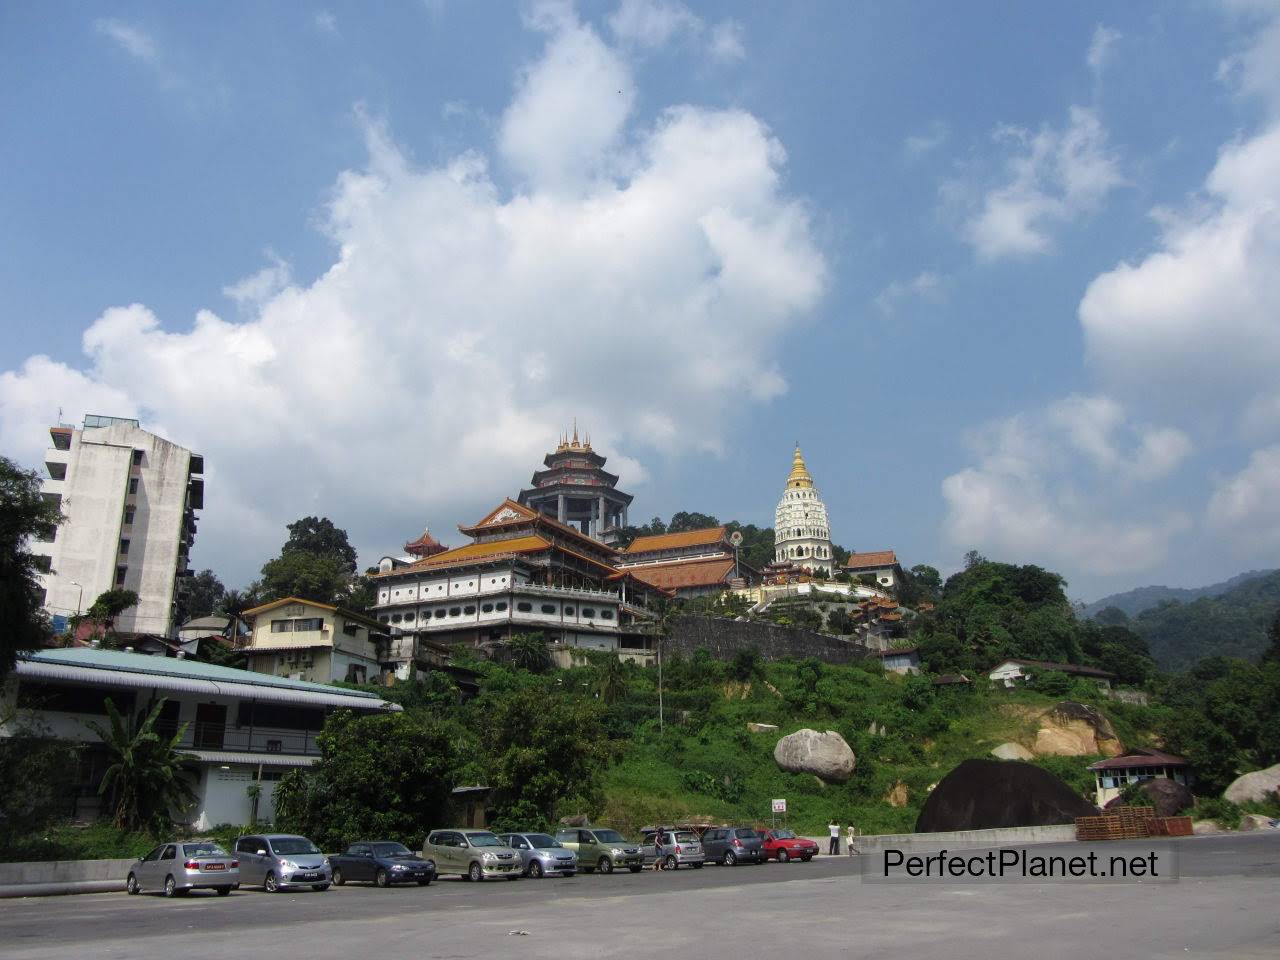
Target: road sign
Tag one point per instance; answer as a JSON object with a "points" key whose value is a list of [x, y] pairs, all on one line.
{"points": [[780, 806]]}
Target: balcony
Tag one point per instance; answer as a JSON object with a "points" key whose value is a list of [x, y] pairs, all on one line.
{"points": [[233, 739]]}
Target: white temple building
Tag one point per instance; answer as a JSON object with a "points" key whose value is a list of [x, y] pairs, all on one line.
{"points": [[801, 534]]}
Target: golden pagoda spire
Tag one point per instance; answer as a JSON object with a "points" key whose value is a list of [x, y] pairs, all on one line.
{"points": [[799, 476]]}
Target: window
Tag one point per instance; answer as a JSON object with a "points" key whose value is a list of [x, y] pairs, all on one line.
{"points": [[128, 516], [524, 606], [384, 618], [455, 611], [568, 611], [42, 563], [502, 606], [120, 572], [469, 610], [133, 485], [589, 612], [439, 614], [395, 618], [137, 458], [71, 699], [124, 545], [355, 673], [486, 608], [606, 614], [548, 608]]}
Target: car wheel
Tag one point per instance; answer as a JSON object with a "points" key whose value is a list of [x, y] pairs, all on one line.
{"points": [[783, 856], [672, 862], [605, 865], [381, 878], [224, 891], [320, 887], [635, 869], [806, 859], [424, 883], [338, 878], [535, 869], [131, 885], [729, 858], [170, 886], [475, 873], [271, 884]]}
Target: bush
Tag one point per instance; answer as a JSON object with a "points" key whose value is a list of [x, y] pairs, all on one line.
{"points": [[1220, 809]]}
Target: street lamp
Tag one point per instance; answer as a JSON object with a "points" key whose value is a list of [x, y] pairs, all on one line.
{"points": [[80, 596]]}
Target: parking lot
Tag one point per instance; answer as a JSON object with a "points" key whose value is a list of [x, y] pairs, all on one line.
{"points": [[1224, 905]]}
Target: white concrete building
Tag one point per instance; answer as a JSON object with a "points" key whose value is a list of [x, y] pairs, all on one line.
{"points": [[879, 564], [242, 729], [306, 640], [130, 500], [801, 533]]}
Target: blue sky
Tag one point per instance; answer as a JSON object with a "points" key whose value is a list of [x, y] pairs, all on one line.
{"points": [[1006, 271]]}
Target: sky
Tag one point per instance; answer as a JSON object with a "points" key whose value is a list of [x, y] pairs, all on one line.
{"points": [[1009, 273]]}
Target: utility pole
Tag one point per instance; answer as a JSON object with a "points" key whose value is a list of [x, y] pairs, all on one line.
{"points": [[661, 728]]}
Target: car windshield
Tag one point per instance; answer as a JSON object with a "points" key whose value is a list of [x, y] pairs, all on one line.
{"points": [[293, 845], [202, 850], [391, 850], [540, 841], [745, 834], [484, 840], [783, 835], [609, 836], [686, 838]]}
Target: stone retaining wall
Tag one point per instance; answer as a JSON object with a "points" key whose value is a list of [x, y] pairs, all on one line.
{"points": [[724, 638]]}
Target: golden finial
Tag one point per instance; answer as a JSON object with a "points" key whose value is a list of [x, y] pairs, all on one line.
{"points": [[799, 476]]}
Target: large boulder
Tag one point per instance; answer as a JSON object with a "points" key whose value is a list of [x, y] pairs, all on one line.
{"points": [[1167, 796], [825, 755], [1071, 729], [984, 794], [1012, 751], [1257, 787]]}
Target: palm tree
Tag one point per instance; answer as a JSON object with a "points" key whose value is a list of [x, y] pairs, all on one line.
{"points": [[612, 685], [233, 605], [146, 777], [529, 650]]}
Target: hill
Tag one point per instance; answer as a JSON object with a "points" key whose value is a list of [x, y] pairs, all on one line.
{"points": [[1233, 624], [1134, 602]]}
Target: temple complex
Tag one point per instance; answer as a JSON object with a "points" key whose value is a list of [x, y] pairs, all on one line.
{"points": [[693, 563], [801, 534], [575, 489]]}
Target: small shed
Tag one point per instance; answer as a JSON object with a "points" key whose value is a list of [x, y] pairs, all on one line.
{"points": [[1112, 775]]}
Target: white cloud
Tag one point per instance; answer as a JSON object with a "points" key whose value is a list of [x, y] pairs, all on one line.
{"points": [[918, 144], [461, 326], [1246, 507], [1056, 488], [326, 22], [1102, 48], [1053, 177], [927, 287], [652, 23], [727, 43], [256, 289], [132, 39]]}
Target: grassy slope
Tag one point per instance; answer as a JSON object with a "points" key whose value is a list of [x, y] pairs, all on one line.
{"points": [[711, 766]]}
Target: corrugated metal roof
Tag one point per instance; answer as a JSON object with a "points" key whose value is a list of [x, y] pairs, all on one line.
{"points": [[253, 759], [138, 671]]}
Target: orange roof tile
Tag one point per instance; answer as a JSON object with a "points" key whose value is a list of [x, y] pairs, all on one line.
{"points": [[672, 576], [871, 560], [474, 551], [668, 541]]}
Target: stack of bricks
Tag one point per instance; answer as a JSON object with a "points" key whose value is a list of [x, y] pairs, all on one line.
{"points": [[1119, 823]]}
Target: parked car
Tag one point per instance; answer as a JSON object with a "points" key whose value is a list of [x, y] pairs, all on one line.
{"points": [[278, 861], [381, 863], [681, 849], [182, 866], [784, 845], [601, 849], [472, 854], [542, 855], [730, 845]]}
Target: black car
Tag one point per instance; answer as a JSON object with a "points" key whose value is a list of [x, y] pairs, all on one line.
{"points": [[382, 862]]}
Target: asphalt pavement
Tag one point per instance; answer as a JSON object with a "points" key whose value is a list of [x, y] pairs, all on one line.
{"points": [[1225, 904]]}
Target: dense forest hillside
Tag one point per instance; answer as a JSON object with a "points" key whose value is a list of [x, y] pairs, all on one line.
{"points": [[1134, 602], [1231, 625]]}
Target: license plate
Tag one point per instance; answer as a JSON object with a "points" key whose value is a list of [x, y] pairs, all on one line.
{"points": [[306, 876], [215, 866]]}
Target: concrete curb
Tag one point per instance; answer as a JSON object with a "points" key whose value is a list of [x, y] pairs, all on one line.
{"points": [[14, 890], [52, 878]]}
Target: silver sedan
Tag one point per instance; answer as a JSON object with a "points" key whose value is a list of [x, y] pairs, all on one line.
{"points": [[542, 855], [177, 868]]}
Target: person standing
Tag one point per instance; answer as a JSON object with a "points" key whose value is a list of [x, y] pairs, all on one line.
{"points": [[834, 829], [850, 833]]}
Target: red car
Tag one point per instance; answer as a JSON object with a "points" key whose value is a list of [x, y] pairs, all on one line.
{"points": [[783, 845]]}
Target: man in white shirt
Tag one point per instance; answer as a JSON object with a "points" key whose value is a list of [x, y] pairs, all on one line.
{"points": [[834, 829]]}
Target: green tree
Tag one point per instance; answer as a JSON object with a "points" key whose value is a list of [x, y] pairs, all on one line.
{"points": [[1112, 617], [928, 580], [197, 596], [24, 515], [529, 652], [381, 775], [147, 776], [307, 576], [318, 536], [686, 520], [232, 606], [36, 770], [1272, 652], [545, 754], [612, 685], [747, 665]]}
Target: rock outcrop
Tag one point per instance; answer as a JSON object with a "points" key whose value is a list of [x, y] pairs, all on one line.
{"points": [[984, 794], [1012, 751], [825, 755], [762, 727], [897, 796], [1071, 729], [1257, 787], [1167, 796]]}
